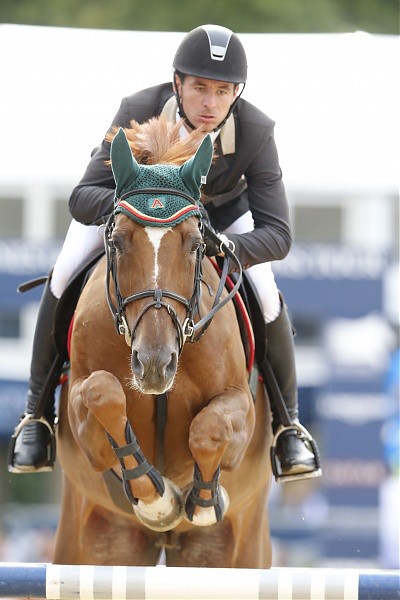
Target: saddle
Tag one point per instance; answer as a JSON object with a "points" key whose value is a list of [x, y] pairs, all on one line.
{"points": [[68, 301]]}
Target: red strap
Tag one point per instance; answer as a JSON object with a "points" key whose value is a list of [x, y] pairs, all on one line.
{"points": [[244, 315]]}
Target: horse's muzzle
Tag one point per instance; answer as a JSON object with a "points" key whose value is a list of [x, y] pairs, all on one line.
{"points": [[153, 372]]}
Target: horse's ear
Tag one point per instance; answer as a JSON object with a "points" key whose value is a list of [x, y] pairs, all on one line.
{"points": [[124, 166], [197, 167]]}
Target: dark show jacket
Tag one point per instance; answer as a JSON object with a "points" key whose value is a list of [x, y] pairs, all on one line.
{"points": [[246, 153]]}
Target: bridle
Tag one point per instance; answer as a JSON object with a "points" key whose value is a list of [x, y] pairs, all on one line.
{"points": [[188, 330]]}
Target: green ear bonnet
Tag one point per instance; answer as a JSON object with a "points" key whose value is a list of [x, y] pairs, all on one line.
{"points": [[158, 195]]}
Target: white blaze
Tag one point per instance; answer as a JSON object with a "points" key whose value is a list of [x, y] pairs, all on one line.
{"points": [[155, 235]]}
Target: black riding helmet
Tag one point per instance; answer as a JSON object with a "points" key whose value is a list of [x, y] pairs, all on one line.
{"points": [[211, 52]]}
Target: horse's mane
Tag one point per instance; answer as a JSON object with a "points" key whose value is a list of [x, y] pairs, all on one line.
{"points": [[158, 141]]}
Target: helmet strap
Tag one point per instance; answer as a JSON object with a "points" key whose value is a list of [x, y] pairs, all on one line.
{"points": [[179, 103]]}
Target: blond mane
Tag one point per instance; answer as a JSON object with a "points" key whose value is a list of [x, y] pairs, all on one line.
{"points": [[158, 141]]}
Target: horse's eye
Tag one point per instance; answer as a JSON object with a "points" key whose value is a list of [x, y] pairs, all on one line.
{"points": [[118, 243], [195, 245]]}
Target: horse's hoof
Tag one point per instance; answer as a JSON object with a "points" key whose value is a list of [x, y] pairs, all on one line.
{"points": [[165, 513], [205, 516]]}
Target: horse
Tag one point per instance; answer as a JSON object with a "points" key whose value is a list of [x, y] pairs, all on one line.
{"points": [[149, 332]]}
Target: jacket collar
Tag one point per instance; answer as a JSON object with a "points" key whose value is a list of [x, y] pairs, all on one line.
{"points": [[227, 133]]}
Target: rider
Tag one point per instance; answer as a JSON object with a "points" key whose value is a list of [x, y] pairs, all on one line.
{"points": [[244, 197]]}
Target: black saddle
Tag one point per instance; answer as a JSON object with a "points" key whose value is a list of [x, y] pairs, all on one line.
{"points": [[69, 299]]}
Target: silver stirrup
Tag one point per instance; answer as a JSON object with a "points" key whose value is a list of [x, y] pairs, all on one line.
{"points": [[26, 419], [310, 444]]}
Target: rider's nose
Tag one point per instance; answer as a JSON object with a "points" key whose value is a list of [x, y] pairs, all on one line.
{"points": [[209, 100]]}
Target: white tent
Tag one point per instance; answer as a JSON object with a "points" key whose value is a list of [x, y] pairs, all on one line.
{"points": [[335, 99]]}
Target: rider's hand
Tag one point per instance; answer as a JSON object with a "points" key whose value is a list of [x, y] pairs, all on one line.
{"points": [[214, 247]]}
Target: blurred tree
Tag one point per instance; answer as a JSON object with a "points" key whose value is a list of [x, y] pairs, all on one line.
{"points": [[266, 16]]}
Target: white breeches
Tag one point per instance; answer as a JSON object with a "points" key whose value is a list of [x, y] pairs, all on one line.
{"points": [[261, 275], [82, 240]]}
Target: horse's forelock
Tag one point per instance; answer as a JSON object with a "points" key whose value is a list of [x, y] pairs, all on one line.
{"points": [[158, 141]]}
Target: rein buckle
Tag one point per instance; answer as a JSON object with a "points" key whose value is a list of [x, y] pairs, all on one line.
{"points": [[123, 329], [188, 329]]}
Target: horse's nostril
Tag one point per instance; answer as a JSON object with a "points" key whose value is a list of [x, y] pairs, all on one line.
{"points": [[170, 368], [137, 365]]}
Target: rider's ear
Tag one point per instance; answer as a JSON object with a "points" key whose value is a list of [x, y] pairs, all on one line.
{"points": [[124, 166], [197, 167]]}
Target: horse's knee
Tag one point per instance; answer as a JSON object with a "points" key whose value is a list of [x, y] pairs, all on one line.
{"points": [[209, 434], [96, 402], [101, 386]]}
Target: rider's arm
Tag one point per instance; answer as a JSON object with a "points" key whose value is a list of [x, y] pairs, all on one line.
{"points": [[92, 199], [271, 238]]}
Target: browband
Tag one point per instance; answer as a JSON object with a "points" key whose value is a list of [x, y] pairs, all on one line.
{"points": [[159, 192]]}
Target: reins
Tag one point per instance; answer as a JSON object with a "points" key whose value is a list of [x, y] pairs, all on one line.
{"points": [[189, 330], [229, 255]]}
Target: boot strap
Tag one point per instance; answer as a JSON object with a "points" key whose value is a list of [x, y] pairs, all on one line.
{"points": [[216, 501], [144, 467]]}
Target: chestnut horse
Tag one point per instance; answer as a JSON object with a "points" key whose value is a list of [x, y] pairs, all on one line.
{"points": [[206, 503]]}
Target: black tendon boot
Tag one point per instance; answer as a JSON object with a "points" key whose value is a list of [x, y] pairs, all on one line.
{"points": [[32, 447], [293, 446]]}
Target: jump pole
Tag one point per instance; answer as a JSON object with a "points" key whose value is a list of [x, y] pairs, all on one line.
{"points": [[84, 582]]}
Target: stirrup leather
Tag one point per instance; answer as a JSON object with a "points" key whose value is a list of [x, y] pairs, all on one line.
{"points": [[51, 446], [310, 444], [144, 466]]}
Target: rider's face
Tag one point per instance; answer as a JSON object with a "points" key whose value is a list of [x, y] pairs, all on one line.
{"points": [[206, 102]]}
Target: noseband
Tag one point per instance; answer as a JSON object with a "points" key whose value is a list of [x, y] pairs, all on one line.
{"points": [[188, 330]]}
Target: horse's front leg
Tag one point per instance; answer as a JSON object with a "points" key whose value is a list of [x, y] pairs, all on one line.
{"points": [[218, 438], [98, 415]]}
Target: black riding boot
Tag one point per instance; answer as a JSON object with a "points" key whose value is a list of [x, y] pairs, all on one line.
{"points": [[32, 447], [297, 457]]}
